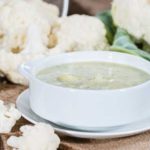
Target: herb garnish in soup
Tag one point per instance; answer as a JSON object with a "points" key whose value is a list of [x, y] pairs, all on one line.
{"points": [[93, 75]]}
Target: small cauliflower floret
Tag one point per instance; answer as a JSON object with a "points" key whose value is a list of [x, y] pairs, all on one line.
{"points": [[8, 117], [134, 17], [38, 137], [78, 32]]}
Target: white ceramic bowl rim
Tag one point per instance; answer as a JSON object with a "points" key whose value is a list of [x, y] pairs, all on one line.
{"points": [[27, 68]]}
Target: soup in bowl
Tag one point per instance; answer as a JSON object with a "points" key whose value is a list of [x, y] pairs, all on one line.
{"points": [[93, 75], [89, 90]]}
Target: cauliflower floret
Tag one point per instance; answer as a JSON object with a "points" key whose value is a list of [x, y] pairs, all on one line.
{"points": [[17, 15], [38, 137], [9, 61], [78, 32], [8, 117], [133, 16]]}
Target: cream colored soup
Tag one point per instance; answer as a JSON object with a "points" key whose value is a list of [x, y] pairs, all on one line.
{"points": [[93, 75]]}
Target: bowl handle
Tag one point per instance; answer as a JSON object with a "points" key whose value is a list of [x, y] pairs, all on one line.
{"points": [[25, 70]]}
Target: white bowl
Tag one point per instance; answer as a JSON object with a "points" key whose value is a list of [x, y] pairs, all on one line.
{"points": [[88, 109]]}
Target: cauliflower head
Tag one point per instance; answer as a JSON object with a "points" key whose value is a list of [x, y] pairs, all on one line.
{"points": [[38, 137], [31, 29], [25, 26], [76, 33], [8, 117], [17, 15], [134, 17]]}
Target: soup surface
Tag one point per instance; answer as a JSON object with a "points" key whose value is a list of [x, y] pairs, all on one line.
{"points": [[93, 75]]}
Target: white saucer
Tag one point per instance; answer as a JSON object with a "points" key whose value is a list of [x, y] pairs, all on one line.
{"points": [[136, 128]]}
